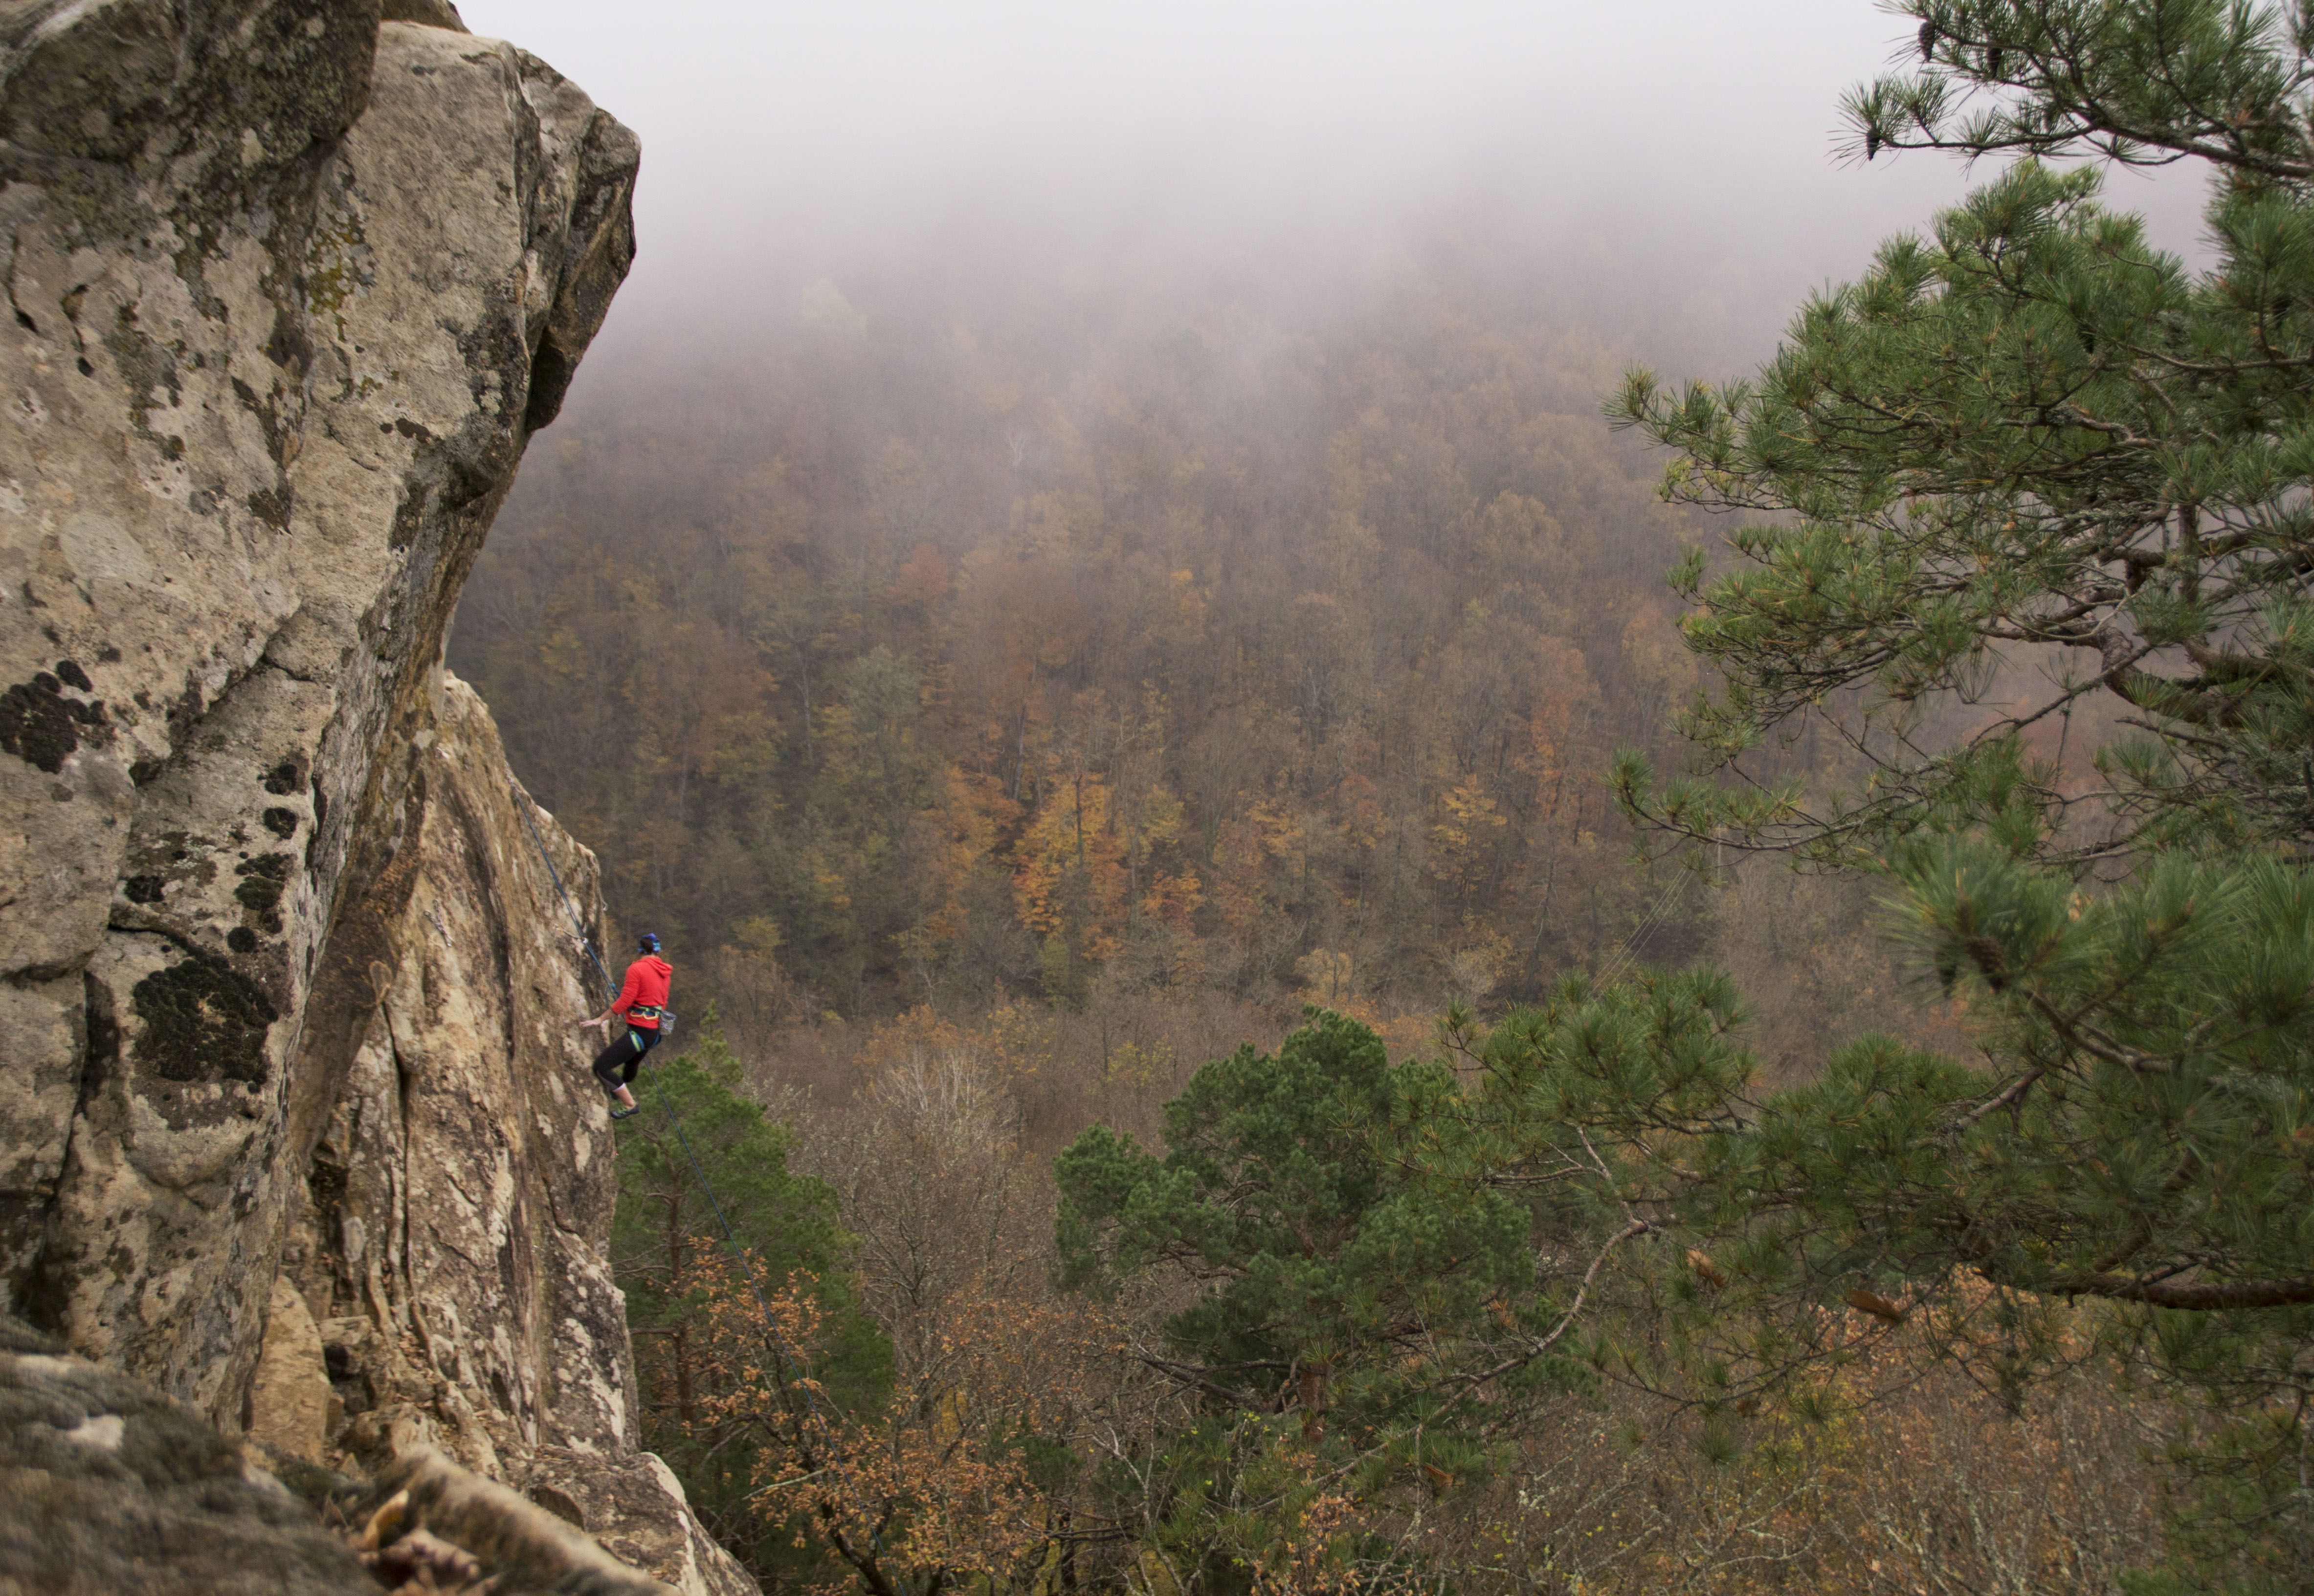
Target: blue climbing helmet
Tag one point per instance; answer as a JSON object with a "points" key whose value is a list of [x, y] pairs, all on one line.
{"points": [[650, 943]]}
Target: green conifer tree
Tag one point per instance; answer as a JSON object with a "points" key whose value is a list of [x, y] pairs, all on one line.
{"points": [[666, 1225], [2031, 442], [1385, 1267], [2030, 473]]}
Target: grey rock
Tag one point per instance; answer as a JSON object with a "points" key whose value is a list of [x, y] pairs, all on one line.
{"points": [[453, 1236], [290, 283], [434, 14], [265, 419], [289, 1401], [106, 1485], [525, 1547]]}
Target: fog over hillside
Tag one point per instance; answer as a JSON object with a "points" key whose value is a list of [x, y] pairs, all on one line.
{"points": [[1670, 172], [1089, 596], [1201, 402]]}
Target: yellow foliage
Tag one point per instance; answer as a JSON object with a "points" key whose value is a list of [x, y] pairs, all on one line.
{"points": [[935, 1484], [1327, 977], [1069, 875]]}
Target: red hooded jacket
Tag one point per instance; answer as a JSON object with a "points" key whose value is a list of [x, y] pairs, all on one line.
{"points": [[646, 989]]}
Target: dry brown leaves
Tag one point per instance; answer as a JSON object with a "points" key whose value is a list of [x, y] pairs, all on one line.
{"points": [[410, 1560]]}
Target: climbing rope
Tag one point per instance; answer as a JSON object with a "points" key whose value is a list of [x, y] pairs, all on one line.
{"points": [[707, 1187], [523, 804], [784, 1356]]}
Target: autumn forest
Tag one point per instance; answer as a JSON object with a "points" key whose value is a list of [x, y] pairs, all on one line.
{"points": [[1334, 940]]}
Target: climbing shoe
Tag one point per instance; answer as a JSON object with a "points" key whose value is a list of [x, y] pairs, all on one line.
{"points": [[619, 1113]]}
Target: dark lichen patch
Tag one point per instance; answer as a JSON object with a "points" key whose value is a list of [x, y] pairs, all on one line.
{"points": [[409, 517], [145, 365], [326, 1185], [259, 896], [40, 725], [282, 822], [267, 414], [74, 676], [272, 506], [346, 1378], [104, 1036], [287, 777], [142, 889], [201, 1022], [259, 891], [241, 939], [497, 348], [186, 712], [289, 348]]}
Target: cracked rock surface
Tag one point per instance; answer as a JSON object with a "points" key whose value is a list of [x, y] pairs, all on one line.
{"points": [[107, 1486], [289, 285], [451, 1238]]}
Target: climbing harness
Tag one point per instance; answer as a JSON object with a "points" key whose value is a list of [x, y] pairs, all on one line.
{"points": [[786, 1365]]}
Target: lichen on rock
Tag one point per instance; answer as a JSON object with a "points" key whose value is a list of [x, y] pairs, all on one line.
{"points": [[290, 287], [106, 1485]]}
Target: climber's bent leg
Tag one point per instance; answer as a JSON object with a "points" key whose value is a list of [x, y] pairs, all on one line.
{"points": [[627, 1051]]}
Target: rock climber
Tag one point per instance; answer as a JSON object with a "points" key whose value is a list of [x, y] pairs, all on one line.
{"points": [[641, 1002]]}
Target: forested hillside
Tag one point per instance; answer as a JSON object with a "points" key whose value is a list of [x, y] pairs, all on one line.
{"points": [[946, 641], [1272, 1048]]}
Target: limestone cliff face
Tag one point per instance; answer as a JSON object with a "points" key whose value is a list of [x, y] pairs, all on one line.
{"points": [[289, 285], [451, 1239]]}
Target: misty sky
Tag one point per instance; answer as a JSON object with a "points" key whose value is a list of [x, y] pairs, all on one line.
{"points": [[1679, 137]]}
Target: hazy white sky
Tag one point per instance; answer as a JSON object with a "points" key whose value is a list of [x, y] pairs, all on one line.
{"points": [[820, 133]]}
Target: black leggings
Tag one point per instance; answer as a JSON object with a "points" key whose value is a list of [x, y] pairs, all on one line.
{"points": [[627, 1051]]}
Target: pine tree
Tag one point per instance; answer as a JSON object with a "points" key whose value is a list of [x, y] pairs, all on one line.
{"points": [[1380, 1268], [2032, 439], [2028, 469], [1298, 1185], [669, 1252]]}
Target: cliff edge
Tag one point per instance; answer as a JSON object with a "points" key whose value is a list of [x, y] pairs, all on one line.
{"points": [[299, 1130]]}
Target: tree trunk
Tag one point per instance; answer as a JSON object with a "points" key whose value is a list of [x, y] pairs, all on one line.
{"points": [[1313, 1403]]}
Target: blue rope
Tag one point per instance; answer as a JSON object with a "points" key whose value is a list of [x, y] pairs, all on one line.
{"points": [[523, 804], [813, 1403], [731, 1239]]}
